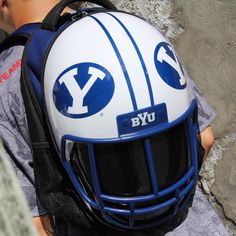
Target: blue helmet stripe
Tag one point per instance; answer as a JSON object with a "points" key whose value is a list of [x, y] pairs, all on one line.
{"points": [[121, 62], [139, 56]]}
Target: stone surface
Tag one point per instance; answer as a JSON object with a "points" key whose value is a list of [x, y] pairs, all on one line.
{"points": [[224, 186], [208, 49], [214, 177], [156, 12]]}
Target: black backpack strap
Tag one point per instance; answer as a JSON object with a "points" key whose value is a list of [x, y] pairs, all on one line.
{"points": [[53, 188], [200, 149], [12, 41], [51, 20]]}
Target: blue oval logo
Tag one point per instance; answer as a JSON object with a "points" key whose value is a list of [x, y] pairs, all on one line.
{"points": [[168, 66], [83, 90]]}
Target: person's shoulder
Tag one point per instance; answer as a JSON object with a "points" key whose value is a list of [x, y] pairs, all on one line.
{"points": [[11, 53]]}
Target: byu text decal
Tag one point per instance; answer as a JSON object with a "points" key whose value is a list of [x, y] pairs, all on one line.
{"points": [[168, 66], [142, 119], [83, 90]]}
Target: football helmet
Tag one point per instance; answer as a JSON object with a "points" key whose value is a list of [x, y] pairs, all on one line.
{"points": [[117, 105]]}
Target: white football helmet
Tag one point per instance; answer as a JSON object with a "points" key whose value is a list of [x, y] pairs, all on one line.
{"points": [[118, 108]]}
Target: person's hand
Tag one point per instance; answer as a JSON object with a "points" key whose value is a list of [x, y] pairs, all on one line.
{"points": [[44, 225], [207, 140]]}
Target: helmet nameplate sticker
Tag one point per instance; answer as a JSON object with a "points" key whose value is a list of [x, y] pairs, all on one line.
{"points": [[142, 119]]}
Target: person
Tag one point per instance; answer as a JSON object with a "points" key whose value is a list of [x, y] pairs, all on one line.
{"points": [[13, 123]]}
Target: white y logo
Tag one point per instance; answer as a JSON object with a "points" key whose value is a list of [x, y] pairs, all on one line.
{"points": [[76, 92], [163, 56]]}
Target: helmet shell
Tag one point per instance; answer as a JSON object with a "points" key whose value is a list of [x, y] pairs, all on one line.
{"points": [[106, 65]]}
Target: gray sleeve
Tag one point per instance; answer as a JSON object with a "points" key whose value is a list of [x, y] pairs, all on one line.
{"points": [[206, 113], [13, 123]]}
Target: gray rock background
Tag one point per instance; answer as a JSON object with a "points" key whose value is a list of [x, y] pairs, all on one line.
{"points": [[204, 35]]}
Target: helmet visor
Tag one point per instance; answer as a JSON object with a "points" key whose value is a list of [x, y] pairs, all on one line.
{"points": [[123, 168]]}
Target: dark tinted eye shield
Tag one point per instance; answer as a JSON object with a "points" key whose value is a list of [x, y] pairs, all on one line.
{"points": [[135, 177]]}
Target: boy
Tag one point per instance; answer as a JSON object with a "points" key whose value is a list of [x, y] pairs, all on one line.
{"points": [[13, 123]]}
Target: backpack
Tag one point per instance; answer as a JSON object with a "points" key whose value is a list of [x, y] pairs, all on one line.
{"points": [[53, 186]]}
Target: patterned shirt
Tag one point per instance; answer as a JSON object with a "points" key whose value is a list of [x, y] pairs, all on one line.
{"points": [[13, 122]]}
